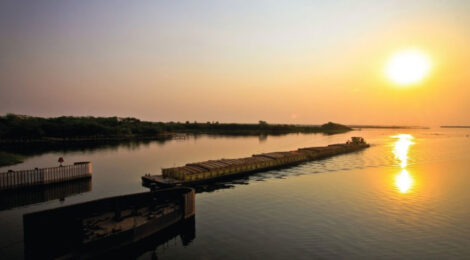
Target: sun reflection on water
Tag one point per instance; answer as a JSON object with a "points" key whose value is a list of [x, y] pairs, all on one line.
{"points": [[403, 180], [401, 148]]}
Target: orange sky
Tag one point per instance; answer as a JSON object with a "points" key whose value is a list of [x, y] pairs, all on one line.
{"points": [[303, 62]]}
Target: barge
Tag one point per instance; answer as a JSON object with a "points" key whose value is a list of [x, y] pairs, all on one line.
{"points": [[102, 227], [200, 172]]}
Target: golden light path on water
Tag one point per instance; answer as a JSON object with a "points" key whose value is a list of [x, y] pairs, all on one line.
{"points": [[403, 180]]}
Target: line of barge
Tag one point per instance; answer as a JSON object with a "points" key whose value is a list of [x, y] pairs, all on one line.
{"points": [[207, 171]]}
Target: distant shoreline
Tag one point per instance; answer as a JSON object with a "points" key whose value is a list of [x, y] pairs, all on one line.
{"points": [[21, 128], [27, 130], [388, 127], [166, 136], [455, 126]]}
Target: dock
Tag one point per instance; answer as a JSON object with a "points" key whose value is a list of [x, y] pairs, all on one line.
{"points": [[44, 176], [95, 229], [199, 172]]}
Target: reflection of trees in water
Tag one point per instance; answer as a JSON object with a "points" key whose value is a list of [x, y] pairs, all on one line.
{"points": [[262, 138], [37, 148]]}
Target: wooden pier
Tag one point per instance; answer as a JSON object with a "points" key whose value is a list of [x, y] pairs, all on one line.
{"points": [[28, 178], [193, 173]]}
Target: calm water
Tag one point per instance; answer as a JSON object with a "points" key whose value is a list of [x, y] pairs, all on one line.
{"points": [[406, 196]]}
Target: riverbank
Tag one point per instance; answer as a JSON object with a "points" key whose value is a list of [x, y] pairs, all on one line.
{"points": [[20, 128], [387, 127], [455, 126], [10, 158]]}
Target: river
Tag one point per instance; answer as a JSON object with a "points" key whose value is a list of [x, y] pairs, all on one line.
{"points": [[405, 196]]}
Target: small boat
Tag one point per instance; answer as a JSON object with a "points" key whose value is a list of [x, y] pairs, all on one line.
{"points": [[97, 228]]}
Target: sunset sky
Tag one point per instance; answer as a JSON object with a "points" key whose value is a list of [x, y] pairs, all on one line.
{"points": [[303, 62]]}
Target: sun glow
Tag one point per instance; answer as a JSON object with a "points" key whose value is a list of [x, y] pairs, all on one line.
{"points": [[408, 67]]}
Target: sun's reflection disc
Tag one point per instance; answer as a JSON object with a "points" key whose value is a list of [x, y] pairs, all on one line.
{"points": [[404, 181]]}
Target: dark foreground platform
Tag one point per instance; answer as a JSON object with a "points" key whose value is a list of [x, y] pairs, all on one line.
{"points": [[98, 228]]}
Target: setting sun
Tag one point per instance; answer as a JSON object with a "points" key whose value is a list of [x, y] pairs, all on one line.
{"points": [[408, 67]]}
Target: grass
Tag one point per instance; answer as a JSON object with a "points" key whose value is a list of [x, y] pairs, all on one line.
{"points": [[10, 158]]}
